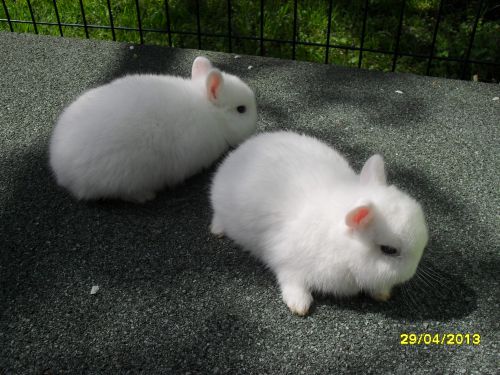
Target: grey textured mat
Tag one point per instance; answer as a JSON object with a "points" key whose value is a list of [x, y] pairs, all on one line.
{"points": [[172, 298]]}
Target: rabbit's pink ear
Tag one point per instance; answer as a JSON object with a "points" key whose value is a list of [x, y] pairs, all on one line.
{"points": [[373, 172], [359, 217], [214, 84], [201, 66]]}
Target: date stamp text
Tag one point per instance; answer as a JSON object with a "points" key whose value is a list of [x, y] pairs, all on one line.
{"points": [[440, 339]]}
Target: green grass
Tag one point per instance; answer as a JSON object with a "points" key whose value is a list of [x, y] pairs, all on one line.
{"points": [[347, 22]]}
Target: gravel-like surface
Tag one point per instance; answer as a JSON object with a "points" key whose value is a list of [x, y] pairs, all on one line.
{"points": [[174, 299]]}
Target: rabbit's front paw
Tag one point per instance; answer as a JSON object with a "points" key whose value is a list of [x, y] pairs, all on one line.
{"points": [[216, 228], [142, 197], [382, 296], [297, 298]]}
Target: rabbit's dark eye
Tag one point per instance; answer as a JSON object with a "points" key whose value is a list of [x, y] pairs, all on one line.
{"points": [[241, 109], [387, 250]]}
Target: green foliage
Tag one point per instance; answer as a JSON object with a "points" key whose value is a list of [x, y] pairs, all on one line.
{"points": [[419, 21]]}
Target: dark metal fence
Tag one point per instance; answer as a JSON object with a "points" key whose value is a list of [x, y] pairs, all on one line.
{"points": [[465, 60]]}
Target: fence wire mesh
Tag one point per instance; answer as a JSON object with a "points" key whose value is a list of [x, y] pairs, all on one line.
{"points": [[52, 16]]}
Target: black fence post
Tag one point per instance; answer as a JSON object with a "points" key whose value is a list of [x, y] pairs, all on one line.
{"points": [[139, 22], [84, 20], [169, 31], [198, 23], [398, 36], [57, 16], [294, 41], [328, 30], [434, 36], [363, 30], [229, 27], [471, 41], [8, 16], [111, 23], [261, 39], [32, 16]]}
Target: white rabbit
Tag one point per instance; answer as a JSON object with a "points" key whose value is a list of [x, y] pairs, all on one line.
{"points": [[296, 204], [140, 133]]}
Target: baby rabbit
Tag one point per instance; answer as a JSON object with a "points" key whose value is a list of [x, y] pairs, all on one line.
{"points": [[132, 137], [296, 204]]}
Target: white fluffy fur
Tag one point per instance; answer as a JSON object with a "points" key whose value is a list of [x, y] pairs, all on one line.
{"points": [[286, 198], [140, 133]]}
